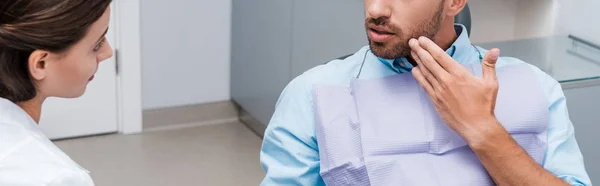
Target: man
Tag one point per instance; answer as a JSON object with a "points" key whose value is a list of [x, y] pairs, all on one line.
{"points": [[329, 135]]}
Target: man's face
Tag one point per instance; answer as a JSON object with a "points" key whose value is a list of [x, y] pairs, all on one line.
{"points": [[391, 23]]}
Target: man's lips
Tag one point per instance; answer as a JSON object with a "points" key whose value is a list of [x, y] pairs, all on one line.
{"points": [[380, 29], [379, 37], [379, 34]]}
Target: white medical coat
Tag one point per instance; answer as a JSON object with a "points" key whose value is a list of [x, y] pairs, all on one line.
{"points": [[29, 158]]}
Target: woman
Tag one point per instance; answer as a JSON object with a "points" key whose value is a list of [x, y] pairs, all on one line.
{"points": [[48, 48]]}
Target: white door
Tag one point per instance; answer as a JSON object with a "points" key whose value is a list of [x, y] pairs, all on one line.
{"points": [[93, 113]]}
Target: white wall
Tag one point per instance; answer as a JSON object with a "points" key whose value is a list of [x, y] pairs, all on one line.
{"points": [[493, 20], [580, 18], [503, 20], [185, 52], [535, 18]]}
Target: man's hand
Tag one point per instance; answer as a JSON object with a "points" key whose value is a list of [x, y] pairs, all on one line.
{"points": [[465, 102]]}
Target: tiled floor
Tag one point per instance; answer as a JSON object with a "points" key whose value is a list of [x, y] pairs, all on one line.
{"points": [[219, 155]]}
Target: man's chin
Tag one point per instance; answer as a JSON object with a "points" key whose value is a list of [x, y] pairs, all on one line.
{"points": [[387, 52]]}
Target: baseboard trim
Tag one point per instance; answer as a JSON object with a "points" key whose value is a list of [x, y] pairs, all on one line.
{"points": [[251, 122], [193, 124], [190, 115]]}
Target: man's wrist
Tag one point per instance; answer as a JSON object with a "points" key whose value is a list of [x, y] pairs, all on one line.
{"points": [[487, 135]]}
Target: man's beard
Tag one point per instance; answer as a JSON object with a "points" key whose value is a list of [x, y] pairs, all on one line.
{"points": [[391, 50]]}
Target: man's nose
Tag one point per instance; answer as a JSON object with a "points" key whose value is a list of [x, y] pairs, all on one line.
{"points": [[378, 9]]}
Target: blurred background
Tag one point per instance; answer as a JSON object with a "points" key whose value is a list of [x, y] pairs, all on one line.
{"points": [[187, 96]]}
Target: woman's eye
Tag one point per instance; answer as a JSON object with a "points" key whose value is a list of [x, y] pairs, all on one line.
{"points": [[99, 45]]}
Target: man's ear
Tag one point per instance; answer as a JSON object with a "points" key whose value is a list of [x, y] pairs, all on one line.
{"points": [[455, 6], [38, 64]]}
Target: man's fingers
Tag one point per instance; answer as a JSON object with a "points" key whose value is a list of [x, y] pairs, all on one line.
{"points": [[445, 61], [489, 65], [417, 73], [424, 71], [427, 60]]}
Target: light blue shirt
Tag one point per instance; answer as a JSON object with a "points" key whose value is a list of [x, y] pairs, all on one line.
{"points": [[290, 154]]}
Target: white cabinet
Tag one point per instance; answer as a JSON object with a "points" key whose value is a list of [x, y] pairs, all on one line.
{"points": [[584, 106]]}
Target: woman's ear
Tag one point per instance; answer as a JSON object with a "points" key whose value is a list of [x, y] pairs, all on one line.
{"points": [[455, 7], [38, 64]]}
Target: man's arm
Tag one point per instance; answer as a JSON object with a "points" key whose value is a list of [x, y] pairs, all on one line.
{"points": [[507, 162], [289, 154]]}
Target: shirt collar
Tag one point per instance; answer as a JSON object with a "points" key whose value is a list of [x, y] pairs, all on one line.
{"points": [[459, 50]]}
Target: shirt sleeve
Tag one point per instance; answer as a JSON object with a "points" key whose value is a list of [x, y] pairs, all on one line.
{"points": [[289, 153], [563, 157]]}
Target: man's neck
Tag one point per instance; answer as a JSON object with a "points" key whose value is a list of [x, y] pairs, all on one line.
{"points": [[446, 37], [33, 107]]}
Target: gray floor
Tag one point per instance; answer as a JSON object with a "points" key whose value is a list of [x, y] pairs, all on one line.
{"points": [[223, 154]]}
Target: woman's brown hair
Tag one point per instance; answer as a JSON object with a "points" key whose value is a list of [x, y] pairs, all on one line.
{"points": [[29, 25]]}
